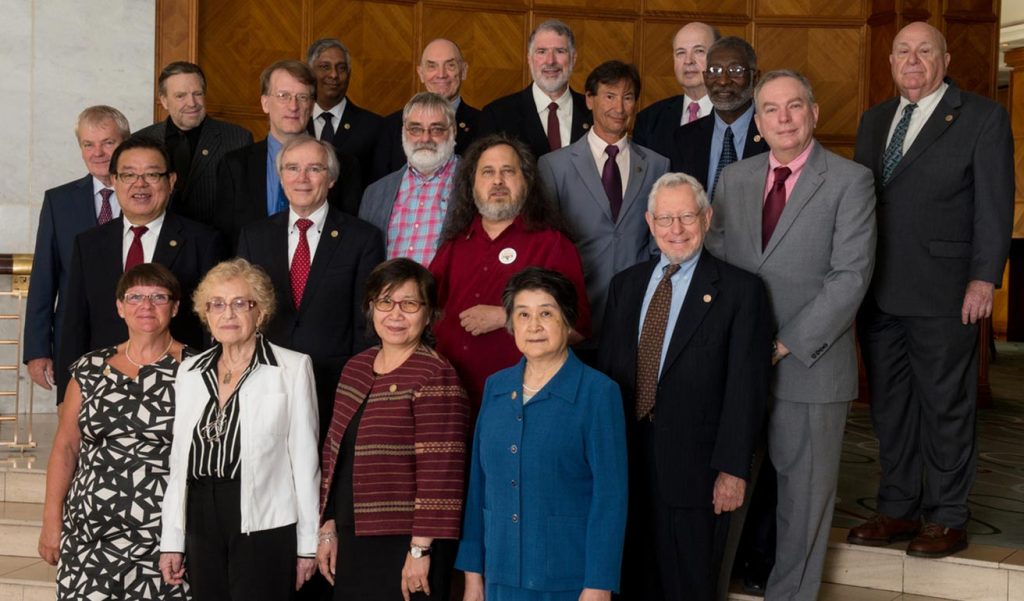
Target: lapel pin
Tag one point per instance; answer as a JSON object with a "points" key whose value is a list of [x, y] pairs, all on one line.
{"points": [[334, 233], [949, 118], [173, 243], [462, 124], [707, 298], [757, 138], [513, 394], [393, 387], [205, 152], [348, 126], [586, 126]]}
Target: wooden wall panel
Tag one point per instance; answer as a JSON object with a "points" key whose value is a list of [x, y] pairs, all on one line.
{"points": [[700, 9], [973, 58], [806, 8]]}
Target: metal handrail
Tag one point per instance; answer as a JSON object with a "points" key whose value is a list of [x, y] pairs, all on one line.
{"points": [[19, 267]]}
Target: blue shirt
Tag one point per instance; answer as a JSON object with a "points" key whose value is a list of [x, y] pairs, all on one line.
{"points": [[739, 141], [680, 284], [273, 177]]}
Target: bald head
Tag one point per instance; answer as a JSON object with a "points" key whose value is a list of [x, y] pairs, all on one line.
{"points": [[689, 51], [442, 68], [919, 60]]}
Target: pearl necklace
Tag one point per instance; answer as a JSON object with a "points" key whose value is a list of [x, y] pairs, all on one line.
{"points": [[127, 355]]}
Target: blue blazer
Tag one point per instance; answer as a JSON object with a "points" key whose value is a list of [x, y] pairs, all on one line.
{"points": [[68, 210], [546, 506]]}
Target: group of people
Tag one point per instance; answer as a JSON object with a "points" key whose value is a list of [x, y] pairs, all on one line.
{"points": [[516, 343]]}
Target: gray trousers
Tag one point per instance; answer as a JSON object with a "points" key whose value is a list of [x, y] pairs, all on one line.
{"points": [[805, 441]]}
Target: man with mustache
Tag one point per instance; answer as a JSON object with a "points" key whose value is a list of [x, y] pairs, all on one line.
{"points": [[336, 119], [409, 205], [442, 71], [656, 123], [499, 223], [704, 147], [547, 114], [600, 182]]}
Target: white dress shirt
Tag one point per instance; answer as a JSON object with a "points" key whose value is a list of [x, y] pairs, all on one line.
{"points": [[147, 239], [319, 217], [704, 104], [115, 208], [597, 147], [925, 108], [337, 110], [564, 112]]}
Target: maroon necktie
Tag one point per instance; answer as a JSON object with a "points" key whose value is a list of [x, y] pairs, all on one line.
{"points": [[300, 262], [773, 205], [652, 338], [554, 134], [611, 179], [135, 255], [692, 111], [106, 213]]}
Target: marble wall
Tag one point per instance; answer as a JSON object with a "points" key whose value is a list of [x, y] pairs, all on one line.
{"points": [[58, 57]]}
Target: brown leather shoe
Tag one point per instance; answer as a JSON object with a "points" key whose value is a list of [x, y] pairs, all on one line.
{"points": [[882, 530], [937, 541]]}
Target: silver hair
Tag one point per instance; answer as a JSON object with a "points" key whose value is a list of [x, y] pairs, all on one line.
{"points": [[430, 101], [333, 167], [780, 74], [674, 180], [96, 115], [317, 48], [555, 26]]}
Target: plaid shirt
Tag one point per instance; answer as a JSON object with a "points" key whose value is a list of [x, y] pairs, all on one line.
{"points": [[419, 212]]}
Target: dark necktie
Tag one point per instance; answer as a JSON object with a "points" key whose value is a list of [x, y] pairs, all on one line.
{"points": [[181, 161], [727, 157], [106, 212], [648, 351], [300, 262], [773, 205], [327, 133], [692, 111], [611, 179], [894, 152], [135, 255], [554, 134]]}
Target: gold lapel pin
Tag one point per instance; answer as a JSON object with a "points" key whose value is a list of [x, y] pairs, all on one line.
{"points": [[513, 394], [205, 152], [462, 124], [173, 242], [707, 298], [949, 118], [334, 233], [348, 126], [393, 387], [586, 126], [757, 138]]}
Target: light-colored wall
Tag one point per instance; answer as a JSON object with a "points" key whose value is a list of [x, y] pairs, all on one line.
{"points": [[58, 57]]}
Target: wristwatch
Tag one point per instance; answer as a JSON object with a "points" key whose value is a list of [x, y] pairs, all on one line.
{"points": [[417, 551]]}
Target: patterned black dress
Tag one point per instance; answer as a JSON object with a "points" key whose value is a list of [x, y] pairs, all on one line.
{"points": [[110, 543]]}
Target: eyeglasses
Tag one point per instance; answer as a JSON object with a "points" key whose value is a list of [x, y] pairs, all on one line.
{"points": [[294, 170], [668, 220], [385, 305], [435, 131], [158, 298], [734, 71], [238, 305], [287, 97], [130, 178]]}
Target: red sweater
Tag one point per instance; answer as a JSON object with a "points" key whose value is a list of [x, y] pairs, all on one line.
{"points": [[410, 464]]}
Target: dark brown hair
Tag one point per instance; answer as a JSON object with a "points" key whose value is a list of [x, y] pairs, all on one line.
{"points": [[390, 275], [148, 274]]}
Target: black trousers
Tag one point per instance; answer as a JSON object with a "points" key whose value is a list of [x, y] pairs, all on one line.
{"points": [[670, 553], [923, 373], [224, 564]]}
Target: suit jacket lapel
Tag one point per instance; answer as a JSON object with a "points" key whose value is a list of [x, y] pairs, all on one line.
{"points": [[206, 148], [580, 116], [531, 119], [695, 307], [755, 143], [637, 178], [330, 239], [751, 194], [258, 178], [583, 161], [111, 254], [170, 241], [806, 186], [881, 131], [85, 203], [946, 113], [700, 155], [632, 302]]}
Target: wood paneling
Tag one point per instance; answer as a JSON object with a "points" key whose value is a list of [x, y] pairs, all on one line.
{"points": [[818, 9], [703, 10]]}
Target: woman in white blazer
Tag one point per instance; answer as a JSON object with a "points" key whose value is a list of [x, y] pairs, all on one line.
{"points": [[242, 499]]}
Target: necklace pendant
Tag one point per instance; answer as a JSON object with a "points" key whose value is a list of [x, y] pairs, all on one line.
{"points": [[227, 377]]}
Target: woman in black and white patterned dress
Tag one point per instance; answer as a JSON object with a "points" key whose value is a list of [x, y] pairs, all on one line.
{"points": [[108, 469]]}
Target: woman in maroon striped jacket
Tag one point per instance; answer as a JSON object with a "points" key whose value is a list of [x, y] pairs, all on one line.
{"points": [[394, 460]]}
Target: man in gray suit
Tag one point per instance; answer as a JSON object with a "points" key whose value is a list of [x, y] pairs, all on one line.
{"points": [[194, 141], [601, 183], [803, 219], [409, 205]]}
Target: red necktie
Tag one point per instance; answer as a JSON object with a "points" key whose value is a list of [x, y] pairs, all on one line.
{"points": [[300, 262], [106, 213], [135, 255], [692, 111], [554, 134], [773, 205]]}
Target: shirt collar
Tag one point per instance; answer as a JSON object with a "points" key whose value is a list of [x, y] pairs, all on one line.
{"points": [[337, 110], [440, 173], [741, 124], [477, 228], [796, 164], [318, 218], [152, 225], [542, 100], [262, 355], [456, 103], [684, 267], [927, 103], [97, 185], [598, 146], [564, 384]]}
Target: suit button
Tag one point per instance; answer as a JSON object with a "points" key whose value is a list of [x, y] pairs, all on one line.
{"points": [[514, 484], [514, 449], [519, 417], [515, 518]]}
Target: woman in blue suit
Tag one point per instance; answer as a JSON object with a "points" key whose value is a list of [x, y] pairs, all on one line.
{"points": [[546, 507]]}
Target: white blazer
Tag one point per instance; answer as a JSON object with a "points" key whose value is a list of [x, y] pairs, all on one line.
{"points": [[279, 462]]}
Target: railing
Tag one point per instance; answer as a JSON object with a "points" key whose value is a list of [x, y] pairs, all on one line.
{"points": [[19, 267]]}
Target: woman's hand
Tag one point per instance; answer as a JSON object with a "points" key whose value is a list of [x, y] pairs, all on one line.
{"points": [[593, 594], [172, 566], [49, 541], [304, 568], [474, 589], [327, 550], [415, 576]]}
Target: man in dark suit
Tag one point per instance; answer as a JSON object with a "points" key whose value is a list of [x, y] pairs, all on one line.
{"points": [[655, 124], [145, 232], [706, 146], [547, 115], [336, 119], [194, 141], [442, 71], [943, 165], [248, 185], [68, 210], [688, 339]]}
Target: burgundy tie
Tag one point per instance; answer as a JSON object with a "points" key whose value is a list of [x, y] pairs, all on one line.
{"points": [[554, 134], [106, 213], [773, 205], [611, 179], [692, 111], [300, 262], [135, 256]]}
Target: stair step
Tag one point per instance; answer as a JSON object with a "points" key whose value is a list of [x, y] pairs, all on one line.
{"points": [[27, 579], [839, 592], [19, 529], [22, 486]]}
